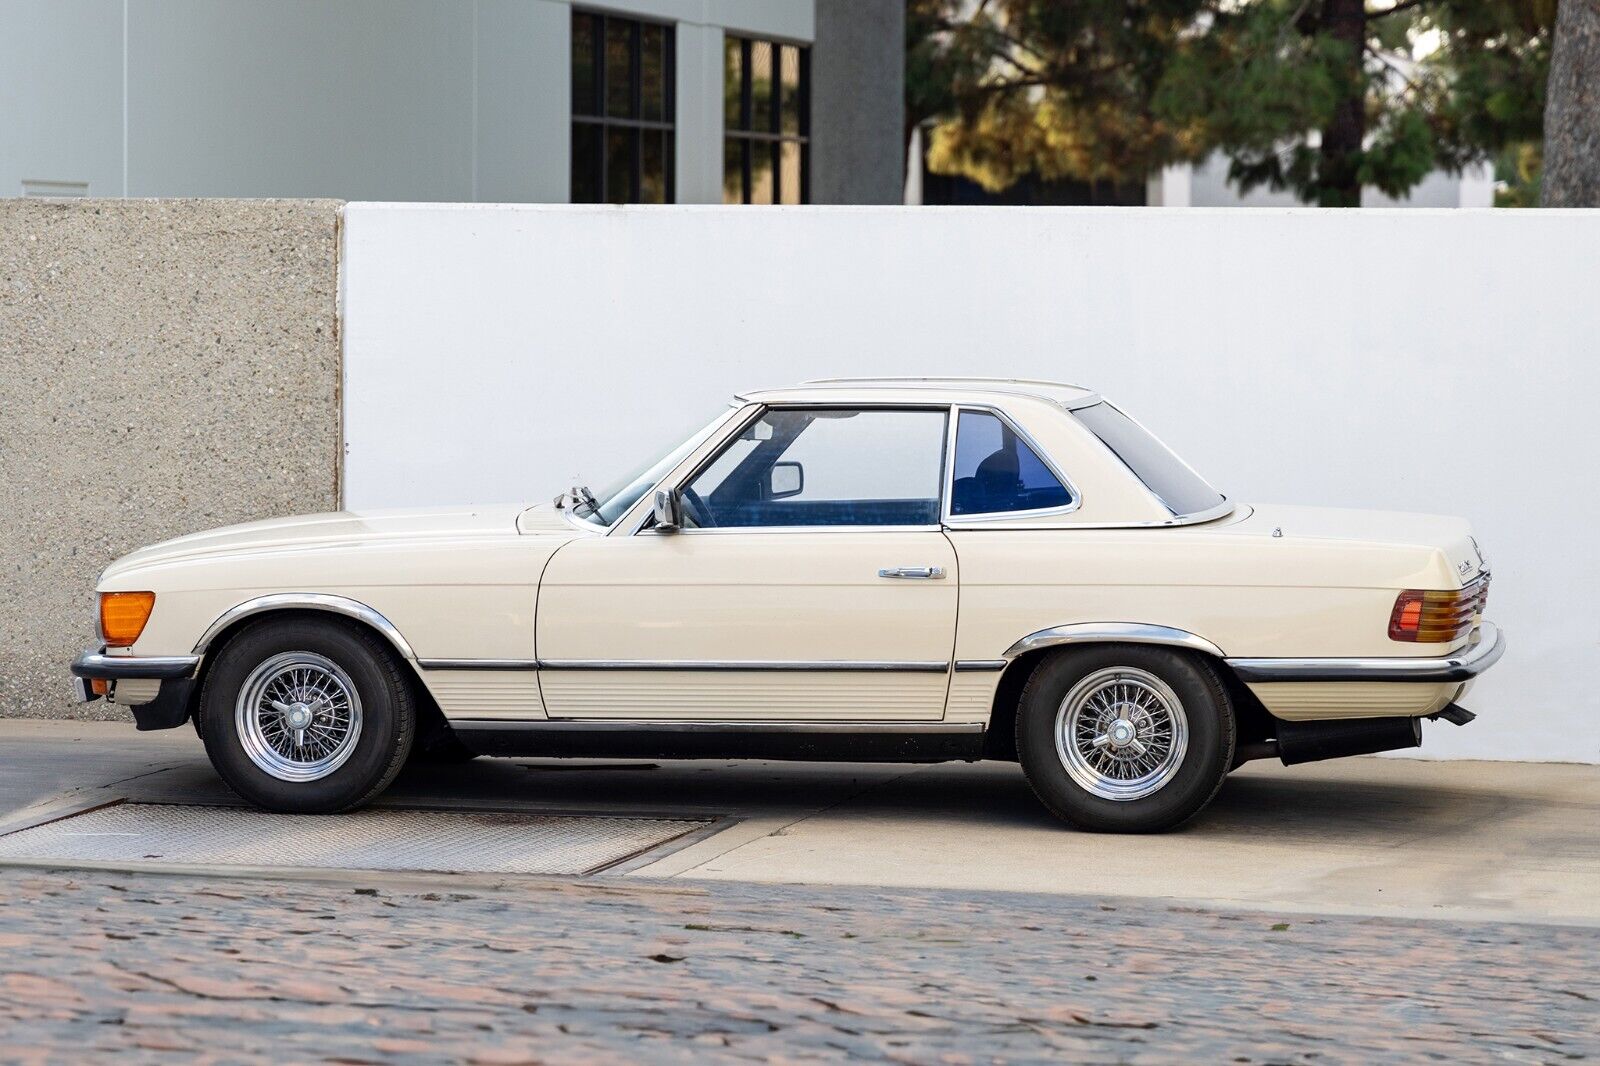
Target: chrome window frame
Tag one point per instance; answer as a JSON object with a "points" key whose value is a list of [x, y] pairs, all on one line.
{"points": [[985, 518], [636, 522], [678, 483]]}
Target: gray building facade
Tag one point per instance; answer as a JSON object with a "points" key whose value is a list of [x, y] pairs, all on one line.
{"points": [[686, 101]]}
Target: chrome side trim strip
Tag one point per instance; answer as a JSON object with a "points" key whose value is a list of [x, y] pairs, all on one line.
{"points": [[839, 666], [964, 666], [1483, 652], [1103, 632], [97, 664], [478, 664], [316, 601], [630, 725]]}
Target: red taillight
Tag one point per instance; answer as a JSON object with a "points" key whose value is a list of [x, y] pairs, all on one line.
{"points": [[1437, 616]]}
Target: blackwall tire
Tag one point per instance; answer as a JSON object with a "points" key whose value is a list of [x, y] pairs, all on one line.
{"points": [[1125, 738], [344, 688]]}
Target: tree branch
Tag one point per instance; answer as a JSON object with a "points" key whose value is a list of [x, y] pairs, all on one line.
{"points": [[1397, 6]]}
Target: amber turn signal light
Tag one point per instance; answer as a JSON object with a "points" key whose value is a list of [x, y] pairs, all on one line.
{"points": [[1437, 616], [123, 615]]}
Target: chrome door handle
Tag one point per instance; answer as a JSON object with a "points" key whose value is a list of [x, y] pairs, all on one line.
{"points": [[912, 571]]}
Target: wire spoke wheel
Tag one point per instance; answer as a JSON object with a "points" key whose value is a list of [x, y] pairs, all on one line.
{"points": [[1121, 733], [298, 716]]}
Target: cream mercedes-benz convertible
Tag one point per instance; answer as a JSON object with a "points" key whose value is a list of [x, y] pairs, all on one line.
{"points": [[906, 570]]}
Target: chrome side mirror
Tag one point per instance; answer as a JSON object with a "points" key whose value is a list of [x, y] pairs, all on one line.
{"points": [[668, 511]]}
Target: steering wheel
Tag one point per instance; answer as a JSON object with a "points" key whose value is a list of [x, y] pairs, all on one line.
{"points": [[700, 512]]}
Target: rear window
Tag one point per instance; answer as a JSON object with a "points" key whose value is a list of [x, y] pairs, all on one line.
{"points": [[1163, 473]]}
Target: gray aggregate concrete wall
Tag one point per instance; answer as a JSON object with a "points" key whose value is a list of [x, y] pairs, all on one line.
{"points": [[169, 366]]}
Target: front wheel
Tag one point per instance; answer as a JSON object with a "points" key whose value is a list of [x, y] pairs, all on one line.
{"points": [[1125, 738], [306, 716]]}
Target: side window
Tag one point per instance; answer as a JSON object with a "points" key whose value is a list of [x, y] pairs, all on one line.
{"points": [[824, 467], [996, 472]]}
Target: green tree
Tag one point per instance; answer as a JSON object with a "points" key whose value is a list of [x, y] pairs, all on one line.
{"points": [[1317, 96]]}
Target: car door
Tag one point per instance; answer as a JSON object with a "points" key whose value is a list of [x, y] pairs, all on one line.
{"points": [[810, 582]]}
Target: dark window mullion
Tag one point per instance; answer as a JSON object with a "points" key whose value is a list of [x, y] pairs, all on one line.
{"points": [[636, 71], [600, 81], [669, 103], [636, 108], [746, 77], [805, 125]]}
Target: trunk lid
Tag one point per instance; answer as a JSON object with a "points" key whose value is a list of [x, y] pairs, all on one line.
{"points": [[1451, 537]]}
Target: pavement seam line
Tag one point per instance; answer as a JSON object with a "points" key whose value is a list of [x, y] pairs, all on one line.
{"points": [[863, 790]]}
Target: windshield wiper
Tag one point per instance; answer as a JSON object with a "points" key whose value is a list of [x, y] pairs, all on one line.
{"points": [[579, 495]]}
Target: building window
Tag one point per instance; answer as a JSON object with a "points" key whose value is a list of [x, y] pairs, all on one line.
{"points": [[766, 156], [622, 110]]}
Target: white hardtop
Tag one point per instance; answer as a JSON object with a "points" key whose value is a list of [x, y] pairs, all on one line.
{"points": [[933, 389]]}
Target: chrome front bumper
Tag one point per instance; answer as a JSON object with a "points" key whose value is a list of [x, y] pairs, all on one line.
{"points": [[1483, 650], [171, 706], [100, 666]]}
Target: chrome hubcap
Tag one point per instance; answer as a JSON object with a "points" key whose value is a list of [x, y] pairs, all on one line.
{"points": [[298, 716], [1121, 733]]}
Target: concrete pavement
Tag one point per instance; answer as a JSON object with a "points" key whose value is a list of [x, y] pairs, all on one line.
{"points": [[931, 914], [1511, 841]]}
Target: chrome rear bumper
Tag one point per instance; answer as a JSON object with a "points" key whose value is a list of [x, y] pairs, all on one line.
{"points": [[1483, 650]]}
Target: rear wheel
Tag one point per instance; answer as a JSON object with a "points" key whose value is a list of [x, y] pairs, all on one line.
{"points": [[306, 716], [1125, 738]]}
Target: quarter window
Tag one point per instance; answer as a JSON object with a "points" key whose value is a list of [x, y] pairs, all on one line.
{"points": [[622, 110], [1182, 490], [824, 467], [996, 472], [767, 120]]}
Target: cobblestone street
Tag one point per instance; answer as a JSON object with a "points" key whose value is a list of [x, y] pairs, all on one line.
{"points": [[278, 970]]}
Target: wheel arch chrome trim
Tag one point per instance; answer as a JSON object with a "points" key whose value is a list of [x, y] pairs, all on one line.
{"points": [[1484, 650], [311, 601], [1112, 633]]}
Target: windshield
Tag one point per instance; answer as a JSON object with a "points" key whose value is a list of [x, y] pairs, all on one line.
{"points": [[613, 502], [1163, 473]]}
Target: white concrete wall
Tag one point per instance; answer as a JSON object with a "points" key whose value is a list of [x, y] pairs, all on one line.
{"points": [[1426, 360], [356, 99]]}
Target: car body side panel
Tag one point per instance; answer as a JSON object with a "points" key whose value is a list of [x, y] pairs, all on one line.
{"points": [[681, 601], [1248, 596], [453, 594], [1244, 590]]}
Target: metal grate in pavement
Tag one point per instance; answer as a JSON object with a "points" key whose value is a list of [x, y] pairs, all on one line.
{"points": [[372, 839]]}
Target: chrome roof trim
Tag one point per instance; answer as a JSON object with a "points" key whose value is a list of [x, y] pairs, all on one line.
{"points": [[951, 379]]}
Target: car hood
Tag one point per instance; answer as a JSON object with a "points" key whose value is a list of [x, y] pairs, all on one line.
{"points": [[335, 529], [1448, 536]]}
